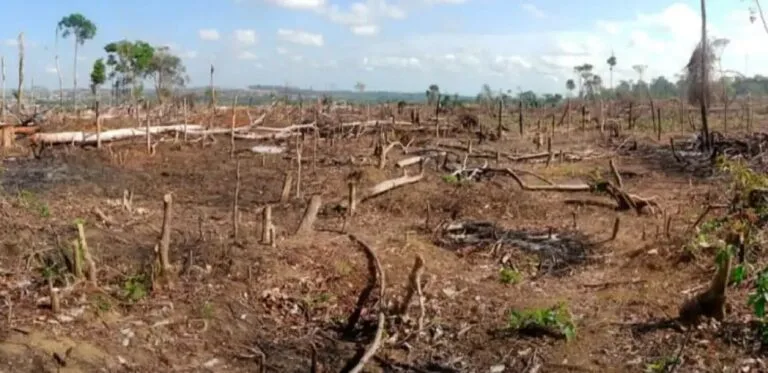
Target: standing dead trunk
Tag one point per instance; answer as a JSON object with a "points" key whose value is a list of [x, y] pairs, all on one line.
{"points": [[706, 140], [165, 238], [20, 90], [2, 89], [310, 215], [74, 78]]}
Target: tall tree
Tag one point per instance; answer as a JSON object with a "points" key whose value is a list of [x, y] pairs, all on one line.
{"points": [[433, 93], [168, 71], [570, 85], [130, 62], [98, 76], [611, 64], [82, 29]]}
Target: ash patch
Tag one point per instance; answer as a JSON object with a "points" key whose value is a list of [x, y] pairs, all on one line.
{"points": [[557, 251], [39, 175]]}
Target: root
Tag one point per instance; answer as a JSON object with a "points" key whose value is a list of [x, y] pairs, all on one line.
{"points": [[710, 303], [376, 272], [414, 287]]}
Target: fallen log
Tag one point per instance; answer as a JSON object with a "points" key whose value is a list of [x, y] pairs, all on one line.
{"points": [[624, 200], [85, 138]]}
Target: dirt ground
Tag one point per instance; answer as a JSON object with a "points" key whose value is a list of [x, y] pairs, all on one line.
{"points": [[235, 305]]}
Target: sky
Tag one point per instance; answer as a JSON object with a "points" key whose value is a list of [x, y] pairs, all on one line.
{"points": [[400, 45]]}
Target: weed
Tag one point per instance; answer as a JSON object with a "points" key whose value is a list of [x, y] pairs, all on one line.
{"points": [[135, 288], [509, 275], [29, 201], [102, 303], [555, 320], [206, 311]]}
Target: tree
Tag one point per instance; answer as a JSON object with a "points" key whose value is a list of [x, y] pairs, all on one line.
{"points": [[584, 72], [611, 64], [360, 87], [98, 75], [433, 94], [570, 85], [168, 71], [130, 62], [82, 29]]}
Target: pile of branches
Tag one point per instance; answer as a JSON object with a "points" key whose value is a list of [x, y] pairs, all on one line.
{"points": [[557, 251], [750, 148]]}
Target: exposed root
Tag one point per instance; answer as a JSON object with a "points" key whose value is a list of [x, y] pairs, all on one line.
{"points": [[374, 266]]}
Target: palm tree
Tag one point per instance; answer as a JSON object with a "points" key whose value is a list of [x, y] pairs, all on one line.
{"points": [[611, 64], [82, 29]]}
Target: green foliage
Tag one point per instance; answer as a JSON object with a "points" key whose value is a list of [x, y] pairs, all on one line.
{"points": [[167, 70], [135, 288], [98, 74], [555, 319], [744, 179], [130, 61], [76, 24], [661, 365], [510, 276]]}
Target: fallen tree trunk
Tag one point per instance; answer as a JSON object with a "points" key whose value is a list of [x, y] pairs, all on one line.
{"points": [[624, 200], [84, 138]]}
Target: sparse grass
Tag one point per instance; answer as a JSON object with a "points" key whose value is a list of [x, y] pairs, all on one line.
{"points": [[31, 202]]}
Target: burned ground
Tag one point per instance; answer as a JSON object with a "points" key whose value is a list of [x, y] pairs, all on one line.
{"points": [[237, 305]]}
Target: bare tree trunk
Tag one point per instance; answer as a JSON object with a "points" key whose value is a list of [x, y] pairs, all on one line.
{"points": [[20, 91], [707, 141], [2, 89], [74, 79], [58, 71], [165, 238]]}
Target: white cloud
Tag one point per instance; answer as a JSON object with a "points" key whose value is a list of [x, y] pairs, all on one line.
{"points": [[299, 4], [50, 69], [534, 10], [300, 37], [365, 30], [210, 34], [246, 37], [281, 51], [247, 55]]}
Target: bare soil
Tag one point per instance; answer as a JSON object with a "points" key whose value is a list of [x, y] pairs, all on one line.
{"points": [[240, 306]]}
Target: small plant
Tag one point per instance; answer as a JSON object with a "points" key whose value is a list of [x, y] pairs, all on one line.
{"points": [[135, 288], [509, 276], [29, 201], [661, 365], [207, 310], [450, 179], [554, 320], [102, 303]]}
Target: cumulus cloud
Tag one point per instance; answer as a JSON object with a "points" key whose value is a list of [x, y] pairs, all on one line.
{"points": [[299, 4], [210, 34], [363, 17], [246, 37], [300, 37]]}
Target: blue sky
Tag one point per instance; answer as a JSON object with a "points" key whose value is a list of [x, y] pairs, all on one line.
{"points": [[389, 44]]}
